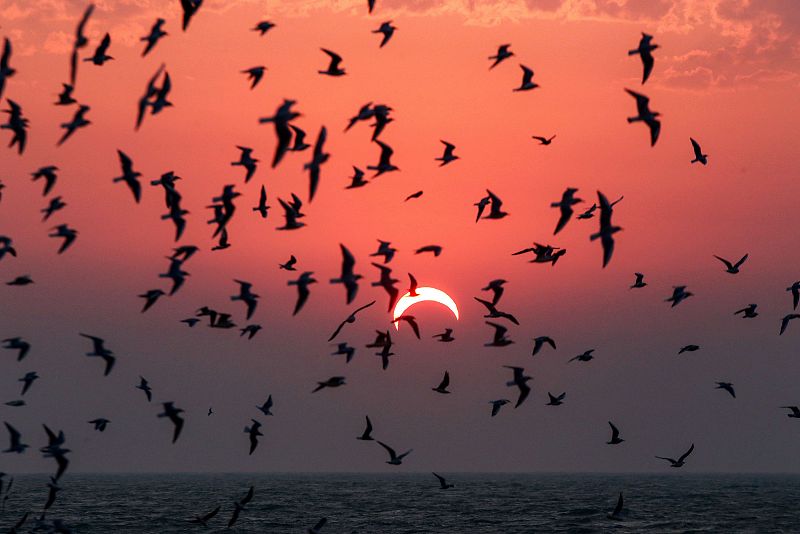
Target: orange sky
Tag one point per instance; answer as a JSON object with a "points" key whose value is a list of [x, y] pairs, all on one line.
{"points": [[726, 74]]}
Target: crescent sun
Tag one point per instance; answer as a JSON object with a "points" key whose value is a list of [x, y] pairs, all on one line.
{"points": [[423, 294]]}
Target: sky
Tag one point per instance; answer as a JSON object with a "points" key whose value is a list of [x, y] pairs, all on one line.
{"points": [[727, 73]]}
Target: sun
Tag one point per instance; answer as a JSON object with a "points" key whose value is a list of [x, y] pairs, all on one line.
{"points": [[424, 294]]}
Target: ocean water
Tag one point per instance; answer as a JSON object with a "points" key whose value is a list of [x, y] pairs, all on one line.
{"points": [[413, 503]]}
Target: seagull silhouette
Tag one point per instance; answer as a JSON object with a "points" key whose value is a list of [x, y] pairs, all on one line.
{"points": [[99, 350], [302, 283], [733, 268], [333, 67], [394, 458], [568, 200], [528, 84], [520, 380], [497, 404], [266, 407], [348, 277], [639, 281], [503, 53], [680, 461], [698, 153], [615, 439], [367, 434], [173, 414], [645, 51], [447, 156], [540, 341], [239, 506], [156, 34], [387, 30], [645, 115], [727, 386], [442, 482], [442, 387]]}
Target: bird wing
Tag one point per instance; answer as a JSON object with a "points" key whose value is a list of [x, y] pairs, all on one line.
{"points": [[728, 264], [390, 450], [687, 453], [647, 63], [741, 261]]}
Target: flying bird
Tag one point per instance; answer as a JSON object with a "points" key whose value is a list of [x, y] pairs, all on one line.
{"points": [[367, 434], [387, 30], [495, 204], [27, 380], [528, 84], [55, 205], [446, 336], [280, 120], [520, 380], [247, 296], [394, 458], [15, 441], [346, 350], [645, 51], [156, 34], [539, 342], [584, 357], [447, 156], [689, 348], [494, 313], [79, 42], [100, 424], [645, 115], [794, 412], [239, 506], [145, 386], [78, 121], [173, 414], [748, 312], [698, 153], [333, 67], [442, 387], [190, 8], [497, 404], [129, 176], [313, 167], [151, 297], [357, 180], [6, 71], [22, 280], [99, 350], [503, 53], [254, 432], [555, 400], [615, 439], [435, 249], [387, 283], [65, 96], [386, 250], [18, 344], [607, 229], [564, 205], [679, 294], [727, 386], [732, 268], [680, 461], [499, 339], [263, 27], [544, 141], [289, 265], [442, 482], [69, 235], [266, 408], [348, 277], [332, 382], [385, 162], [639, 281], [100, 54], [203, 520], [496, 287], [18, 125], [786, 319], [411, 320], [303, 292], [254, 75]]}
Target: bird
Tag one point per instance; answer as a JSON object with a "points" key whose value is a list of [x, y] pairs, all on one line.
{"points": [[387, 30], [503, 53], [795, 290], [79, 42], [129, 176], [385, 162], [346, 350], [494, 207], [520, 380], [333, 67], [447, 156], [263, 27], [689, 348], [645, 115], [78, 121], [254, 75], [239, 506], [155, 35], [698, 153], [173, 414], [22, 280], [732, 268], [727, 386], [357, 180], [6, 247], [544, 141], [145, 386], [411, 320], [481, 205], [370, 5], [100, 54], [250, 330], [387, 283], [499, 339], [442, 387], [539, 342], [385, 353], [18, 125], [332, 382], [348, 277], [203, 520], [639, 281], [556, 400], [318, 526], [794, 412], [786, 319], [645, 51], [6, 71], [266, 408], [617, 513], [435, 249], [15, 441], [151, 92], [150, 297], [528, 84], [585, 357], [18, 344], [249, 163], [27, 380], [289, 265], [367, 434], [254, 432], [394, 458], [281, 119], [65, 96], [65, 232], [607, 229], [303, 292], [679, 294], [99, 350], [680, 461], [190, 8], [100, 424], [52, 493], [442, 482], [496, 287], [414, 195], [749, 312], [446, 336], [299, 139], [313, 167], [564, 205], [386, 250], [615, 439], [497, 404], [494, 313], [54, 450], [247, 296], [588, 212]]}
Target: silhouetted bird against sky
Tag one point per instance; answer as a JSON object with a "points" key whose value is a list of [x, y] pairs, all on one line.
{"points": [[794, 411], [69, 235], [17, 343], [748, 312], [555, 400], [18, 125], [497, 404], [247, 296], [280, 120], [173, 414], [494, 313], [55, 205], [357, 180], [689, 348], [447, 156], [645, 115], [503, 53], [156, 34], [28, 380], [584, 357], [100, 54], [100, 424], [732, 268], [15, 441], [442, 387], [6, 71], [313, 167], [442, 482], [145, 386], [680, 461], [367, 434], [348, 277], [387, 29], [78, 121], [564, 205], [333, 67], [263, 27], [254, 432], [786, 319], [679, 294], [520, 381], [727, 386], [332, 382], [385, 162], [190, 8], [65, 96], [527, 84], [544, 140], [254, 75], [698, 153], [99, 350], [607, 229], [645, 51], [303, 292], [394, 458], [79, 42], [639, 281], [539, 342], [129, 176], [346, 350], [615, 439], [436, 250], [289, 265], [350, 319]]}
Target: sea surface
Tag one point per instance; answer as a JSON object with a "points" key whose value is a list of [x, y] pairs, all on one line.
{"points": [[413, 503]]}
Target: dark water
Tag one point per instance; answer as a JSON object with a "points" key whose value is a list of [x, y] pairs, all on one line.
{"points": [[412, 503]]}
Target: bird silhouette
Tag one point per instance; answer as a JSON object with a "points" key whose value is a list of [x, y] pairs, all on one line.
{"points": [[333, 67], [520, 381], [680, 461], [502, 54], [156, 34], [615, 439], [387, 29], [645, 51], [698, 153], [732, 268], [645, 115], [172, 413], [394, 458]]}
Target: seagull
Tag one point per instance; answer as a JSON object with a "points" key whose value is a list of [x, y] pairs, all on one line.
{"points": [[585, 357], [447, 156], [254, 75], [365, 113], [727, 386], [173, 413], [795, 412], [190, 8], [289, 265], [387, 30], [303, 292], [68, 234], [698, 153], [494, 313], [18, 125], [100, 56], [588, 213], [299, 139], [617, 513], [333, 68], [152, 91], [263, 27], [55, 450], [494, 208], [78, 121], [17, 343], [527, 84], [144, 386], [435, 249], [748, 312], [291, 215], [520, 380], [568, 200], [250, 330], [318, 527], [615, 439], [645, 115], [387, 283], [281, 119], [129, 176], [384, 354], [204, 519], [795, 290], [15, 443], [607, 229], [497, 404], [100, 424], [6, 247], [22, 280], [384, 163], [357, 180], [689, 348], [639, 281], [499, 339], [414, 195], [785, 321], [367, 434], [156, 33], [496, 287], [680, 461], [313, 167], [394, 458], [644, 50], [386, 250], [442, 482], [151, 296], [247, 161], [446, 336], [442, 387], [239, 506], [411, 320], [99, 350], [65, 96], [481, 205], [266, 407], [346, 350], [538, 343], [190, 321], [332, 382], [544, 141], [731, 267], [348, 278], [29, 378], [503, 53], [80, 42], [247, 296], [679, 294], [6, 71], [53, 489], [556, 401], [254, 432]]}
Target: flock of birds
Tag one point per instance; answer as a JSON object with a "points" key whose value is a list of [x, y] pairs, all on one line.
{"points": [[290, 138]]}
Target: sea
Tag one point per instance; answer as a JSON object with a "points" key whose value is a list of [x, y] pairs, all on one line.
{"points": [[411, 503]]}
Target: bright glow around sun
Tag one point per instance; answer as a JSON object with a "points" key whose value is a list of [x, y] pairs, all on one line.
{"points": [[423, 294]]}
